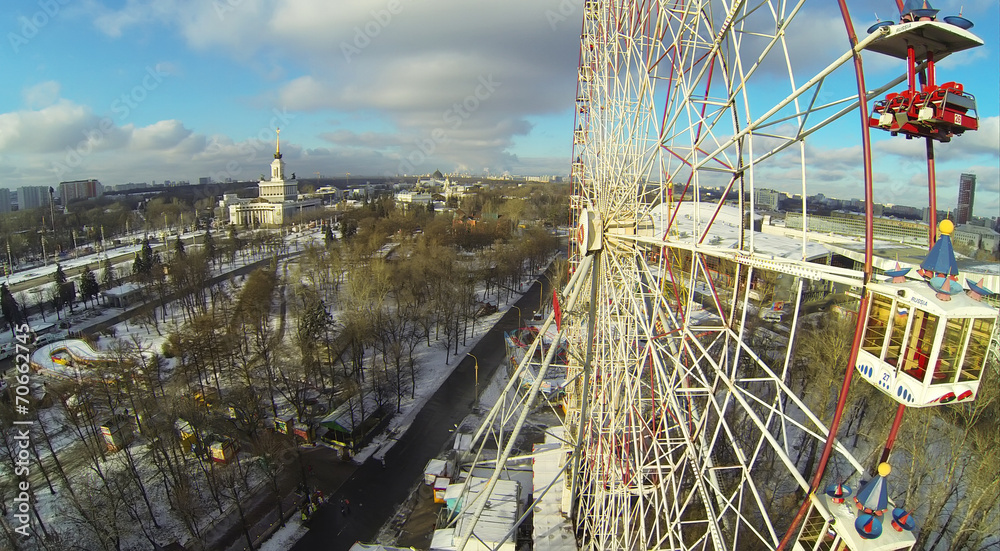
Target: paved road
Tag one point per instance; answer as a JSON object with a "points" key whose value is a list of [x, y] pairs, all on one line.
{"points": [[260, 509], [374, 492]]}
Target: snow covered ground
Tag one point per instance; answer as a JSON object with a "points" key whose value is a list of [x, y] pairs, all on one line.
{"points": [[52, 505], [285, 537], [434, 370]]}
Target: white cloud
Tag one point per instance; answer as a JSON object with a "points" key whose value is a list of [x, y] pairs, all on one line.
{"points": [[161, 135], [377, 140], [304, 93], [414, 72], [407, 63], [51, 128], [169, 68], [115, 23], [41, 95]]}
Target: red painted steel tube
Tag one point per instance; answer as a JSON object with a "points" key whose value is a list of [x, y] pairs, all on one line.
{"points": [[718, 208], [931, 80], [892, 434], [911, 70], [931, 193], [863, 307]]}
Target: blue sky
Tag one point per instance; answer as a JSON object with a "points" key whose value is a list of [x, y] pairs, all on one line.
{"points": [[125, 90]]}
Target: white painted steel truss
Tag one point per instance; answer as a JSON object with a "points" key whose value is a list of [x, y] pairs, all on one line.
{"points": [[686, 424]]}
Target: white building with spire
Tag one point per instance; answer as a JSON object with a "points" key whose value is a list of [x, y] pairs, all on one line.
{"points": [[277, 198]]}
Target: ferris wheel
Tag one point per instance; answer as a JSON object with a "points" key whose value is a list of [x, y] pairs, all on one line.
{"points": [[680, 317], [686, 421]]}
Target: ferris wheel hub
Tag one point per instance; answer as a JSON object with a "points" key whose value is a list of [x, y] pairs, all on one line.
{"points": [[589, 232]]}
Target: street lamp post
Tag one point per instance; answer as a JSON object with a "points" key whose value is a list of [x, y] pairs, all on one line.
{"points": [[477, 376], [518, 316]]}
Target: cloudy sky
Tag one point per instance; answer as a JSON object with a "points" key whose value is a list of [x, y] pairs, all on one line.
{"points": [[129, 90]]}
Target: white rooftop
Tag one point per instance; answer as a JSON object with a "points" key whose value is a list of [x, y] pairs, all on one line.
{"points": [[552, 529], [494, 528], [692, 220]]}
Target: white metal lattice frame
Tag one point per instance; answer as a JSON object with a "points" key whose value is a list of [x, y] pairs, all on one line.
{"points": [[685, 426], [689, 435]]}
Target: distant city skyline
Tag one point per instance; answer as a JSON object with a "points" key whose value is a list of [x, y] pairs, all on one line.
{"points": [[124, 91]]}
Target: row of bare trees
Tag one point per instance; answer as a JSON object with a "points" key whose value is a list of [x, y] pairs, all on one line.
{"points": [[347, 324], [116, 499]]}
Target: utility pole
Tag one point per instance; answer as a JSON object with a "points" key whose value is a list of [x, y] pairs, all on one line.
{"points": [[52, 207]]}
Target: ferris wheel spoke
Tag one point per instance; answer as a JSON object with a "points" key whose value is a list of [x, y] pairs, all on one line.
{"points": [[691, 424]]}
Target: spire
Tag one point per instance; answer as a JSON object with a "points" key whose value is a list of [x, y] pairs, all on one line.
{"points": [[277, 144], [941, 258], [873, 497], [918, 9]]}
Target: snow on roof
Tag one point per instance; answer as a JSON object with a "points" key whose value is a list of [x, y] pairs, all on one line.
{"points": [[436, 467], [351, 414], [443, 540], [552, 529], [463, 442], [979, 230], [91, 259], [123, 290], [495, 526], [692, 219], [925, 298], [990, 268], [453, 491], [887, 255]]}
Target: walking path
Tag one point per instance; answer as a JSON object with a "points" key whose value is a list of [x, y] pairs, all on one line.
{"points": [[375, 491]]}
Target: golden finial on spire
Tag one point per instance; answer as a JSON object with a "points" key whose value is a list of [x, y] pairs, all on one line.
{"points": [[277, 144]]}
